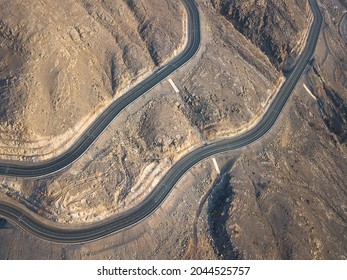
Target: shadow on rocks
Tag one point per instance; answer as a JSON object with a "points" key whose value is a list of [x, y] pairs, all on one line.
{"points": [[218, 214]]}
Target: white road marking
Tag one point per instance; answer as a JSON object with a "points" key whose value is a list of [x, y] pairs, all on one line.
{"points": [[216, 165], [312, 95], [174, 86]]}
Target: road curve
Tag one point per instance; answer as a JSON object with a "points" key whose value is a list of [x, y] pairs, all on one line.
{"points": [[29, 169], [342, 28], [85, 233]]}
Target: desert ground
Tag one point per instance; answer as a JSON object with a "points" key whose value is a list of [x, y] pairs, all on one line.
{"points": [[283, 197]]}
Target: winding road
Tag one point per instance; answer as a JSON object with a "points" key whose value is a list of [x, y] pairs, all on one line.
{"points": [[342, 28], [84, 233], [43, 168]]}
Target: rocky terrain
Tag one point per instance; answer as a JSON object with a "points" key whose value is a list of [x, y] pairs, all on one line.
{"points": [[158, 129], [283, 197], [288, 196], [272, 25], [71, 63], [61, 63]]}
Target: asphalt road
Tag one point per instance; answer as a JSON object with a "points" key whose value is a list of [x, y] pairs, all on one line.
{"points": [[342, 28], [84, 233], [29, 169]]}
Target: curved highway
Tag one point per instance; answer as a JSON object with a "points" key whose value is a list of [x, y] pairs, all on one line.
{"points": [[58, 233], [342, 28], [29, 169]]}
